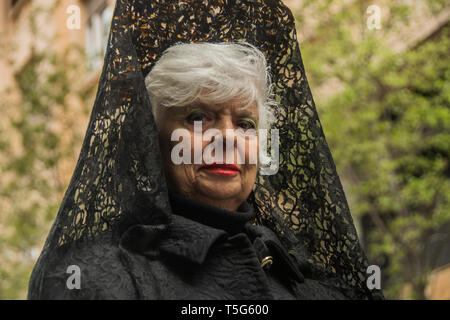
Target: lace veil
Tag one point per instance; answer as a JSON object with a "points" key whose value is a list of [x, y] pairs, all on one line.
{"points": [[118, 179]]}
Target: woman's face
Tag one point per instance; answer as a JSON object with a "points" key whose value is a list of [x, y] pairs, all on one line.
{"points": [[227, 183]]}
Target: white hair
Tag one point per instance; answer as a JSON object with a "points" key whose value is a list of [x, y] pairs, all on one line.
{"points": [[212, 73]]}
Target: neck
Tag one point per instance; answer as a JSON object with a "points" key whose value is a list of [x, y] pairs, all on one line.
{"points": [[230, 220], [223, 204]]}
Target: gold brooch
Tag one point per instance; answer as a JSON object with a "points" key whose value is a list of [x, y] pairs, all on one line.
{"points": [[267, 261]]}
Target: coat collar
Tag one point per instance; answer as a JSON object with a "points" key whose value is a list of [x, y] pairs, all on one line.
{"points": [[181, 238], [193, 229], [190, 240]]}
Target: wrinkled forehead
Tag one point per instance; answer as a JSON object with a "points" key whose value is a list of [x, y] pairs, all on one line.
{"points": [[234, 106]]}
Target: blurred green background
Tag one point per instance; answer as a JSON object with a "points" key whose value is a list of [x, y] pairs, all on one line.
{"points": [[380, 75]]}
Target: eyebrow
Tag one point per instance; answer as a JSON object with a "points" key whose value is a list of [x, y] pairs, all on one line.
{"points": [[206, 107], [196, 105], [247, 113]]}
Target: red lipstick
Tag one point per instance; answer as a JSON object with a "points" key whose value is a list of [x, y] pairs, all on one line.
{"points": [[223, 169]]}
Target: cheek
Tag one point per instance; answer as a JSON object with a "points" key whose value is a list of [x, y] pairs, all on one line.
{"points": [[183, 175], [248, 179], [251, 166], [249, 175], [252, 151], [178, 175]]}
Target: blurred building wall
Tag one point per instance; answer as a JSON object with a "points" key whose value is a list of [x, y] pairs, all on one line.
{"points": [[17, 36]]}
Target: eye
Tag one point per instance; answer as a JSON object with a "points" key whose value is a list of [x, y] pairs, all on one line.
{"points": [[196, 116], [247, 124]]}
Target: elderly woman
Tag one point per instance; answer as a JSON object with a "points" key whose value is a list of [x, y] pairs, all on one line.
{"points": [[219, 86], [167, 201], [214, 250]]}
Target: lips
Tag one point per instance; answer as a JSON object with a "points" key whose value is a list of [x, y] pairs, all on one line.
{"points": [[222, 169]]}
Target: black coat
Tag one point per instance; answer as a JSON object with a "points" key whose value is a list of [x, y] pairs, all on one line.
{"points": [[204, 253]]}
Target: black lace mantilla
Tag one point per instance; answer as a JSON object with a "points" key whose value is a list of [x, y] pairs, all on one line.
{"points": [[118, 179]]}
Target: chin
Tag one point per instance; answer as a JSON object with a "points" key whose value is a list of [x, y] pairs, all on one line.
{"points": [[220, 190]]}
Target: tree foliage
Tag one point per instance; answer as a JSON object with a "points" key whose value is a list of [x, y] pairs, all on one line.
{"points": [[385, 115], [387, 121], [44, 114]]}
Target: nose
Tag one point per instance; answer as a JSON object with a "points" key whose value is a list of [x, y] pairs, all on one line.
{"points": [[227, 135], [238, 147], [224, 124]]}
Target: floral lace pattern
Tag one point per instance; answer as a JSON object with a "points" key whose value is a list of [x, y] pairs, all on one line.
{"points": [[118, 179]]}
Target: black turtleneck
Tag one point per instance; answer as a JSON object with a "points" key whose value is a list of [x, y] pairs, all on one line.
{"points": [[231, 221], [265, 242]]}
